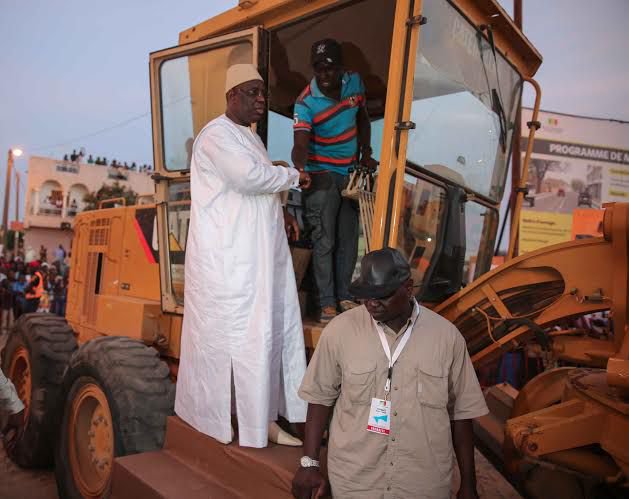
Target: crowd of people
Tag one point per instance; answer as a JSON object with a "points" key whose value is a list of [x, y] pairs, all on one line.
{"points": [[34, 286], [80, 158]]}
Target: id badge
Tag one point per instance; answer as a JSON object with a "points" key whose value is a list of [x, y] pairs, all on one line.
{"points": [[379, 416]]}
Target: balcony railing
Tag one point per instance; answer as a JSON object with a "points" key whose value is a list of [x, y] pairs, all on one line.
{"points": [[49, 210]]}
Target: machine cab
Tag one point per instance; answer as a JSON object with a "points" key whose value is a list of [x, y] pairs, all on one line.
{"points": [[443, 83]]}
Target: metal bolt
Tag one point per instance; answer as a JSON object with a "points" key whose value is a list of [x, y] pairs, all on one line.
{"points": [[533, 447]]}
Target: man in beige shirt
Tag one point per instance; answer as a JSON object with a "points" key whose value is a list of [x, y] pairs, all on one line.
{"points": [[404, 393]]}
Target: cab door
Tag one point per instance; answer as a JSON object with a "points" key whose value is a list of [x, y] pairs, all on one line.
{"points": [[188, 91]]}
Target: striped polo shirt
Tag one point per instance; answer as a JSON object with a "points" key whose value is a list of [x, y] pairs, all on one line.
{"points": [[331, 123]]}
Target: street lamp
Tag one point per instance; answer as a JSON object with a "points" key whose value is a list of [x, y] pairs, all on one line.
{"points": [[15, 152]]}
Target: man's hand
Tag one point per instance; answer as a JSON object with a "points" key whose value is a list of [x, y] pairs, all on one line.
{"points": [[304, 179], [467, 492], [369, 163], [307, 480], [291, 226], [13, 429]]}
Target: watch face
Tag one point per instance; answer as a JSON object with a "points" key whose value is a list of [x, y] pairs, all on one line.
{"points": [[307, 462]]}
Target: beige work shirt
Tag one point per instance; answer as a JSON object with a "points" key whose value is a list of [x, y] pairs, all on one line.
{"points": [[433, 381]]}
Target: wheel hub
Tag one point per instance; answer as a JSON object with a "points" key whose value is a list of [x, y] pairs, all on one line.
{"points": [[20, 375], [91, 441]]}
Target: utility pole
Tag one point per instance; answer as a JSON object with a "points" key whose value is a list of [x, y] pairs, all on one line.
{"points": [[516, 155], [7, 196], [17, 195]]}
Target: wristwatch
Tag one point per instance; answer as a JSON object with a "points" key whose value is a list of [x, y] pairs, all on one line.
{"points": [[308, 462]]}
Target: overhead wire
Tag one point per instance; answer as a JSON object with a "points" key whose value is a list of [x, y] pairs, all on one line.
{"points": [[106, 129], [92, 134]]}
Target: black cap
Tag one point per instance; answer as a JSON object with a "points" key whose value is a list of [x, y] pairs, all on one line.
{"points": [[382, 272], [328, 51]]}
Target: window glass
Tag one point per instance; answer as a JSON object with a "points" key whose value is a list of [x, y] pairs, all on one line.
{"points": [[280, 137], [193, 93], [464, 103], [423, 206], [481, 223], [178, 224]]}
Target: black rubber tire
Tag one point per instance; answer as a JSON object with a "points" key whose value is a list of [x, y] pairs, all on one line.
{"points": [[50, 343], [139, 392]]}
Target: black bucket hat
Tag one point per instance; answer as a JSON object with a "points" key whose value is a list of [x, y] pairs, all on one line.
{"points": [[382, 272]]}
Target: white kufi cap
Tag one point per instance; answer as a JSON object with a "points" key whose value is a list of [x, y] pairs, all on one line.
{"points": [[240, 73]]}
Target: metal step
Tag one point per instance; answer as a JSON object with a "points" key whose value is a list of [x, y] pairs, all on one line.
{"points": [[193, 465], [159, 475]]}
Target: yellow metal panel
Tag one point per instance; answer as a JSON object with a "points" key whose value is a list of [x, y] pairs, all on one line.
{"points": [[270, 13], [174, 342], [132, 317], [78, 249], [266, 13], [389, 159], [109, 284], [139, 274], [407, 99]]}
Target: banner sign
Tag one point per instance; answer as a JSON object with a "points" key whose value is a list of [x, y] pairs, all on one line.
{"points": [[584, 151], [577, 165], [542, 228]]}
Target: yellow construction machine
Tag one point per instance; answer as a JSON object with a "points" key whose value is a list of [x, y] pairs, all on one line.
{"points": [[443, 82]]}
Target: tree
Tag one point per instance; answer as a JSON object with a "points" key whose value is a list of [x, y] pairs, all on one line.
{"points": [[577, 185], [116, 190], [538, 169]]}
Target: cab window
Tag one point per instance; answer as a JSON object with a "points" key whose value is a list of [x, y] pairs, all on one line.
{"points": [[189, 87]]}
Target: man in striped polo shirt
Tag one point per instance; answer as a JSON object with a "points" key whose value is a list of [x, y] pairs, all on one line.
{"points": [[332, 133]]}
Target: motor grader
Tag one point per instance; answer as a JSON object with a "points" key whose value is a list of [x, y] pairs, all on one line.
{"points": [[443, 82]]}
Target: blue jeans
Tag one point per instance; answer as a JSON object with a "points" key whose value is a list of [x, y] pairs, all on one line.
{"points": [[333, 221], [60, 306], [31, 305]]}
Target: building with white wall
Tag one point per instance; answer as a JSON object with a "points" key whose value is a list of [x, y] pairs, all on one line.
{"points": [[55, 193]]}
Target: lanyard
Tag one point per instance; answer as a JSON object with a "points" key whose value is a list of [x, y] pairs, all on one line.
{"points": [[396, 353]]}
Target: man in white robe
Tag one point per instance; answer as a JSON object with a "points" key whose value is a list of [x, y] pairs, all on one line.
{"points": [[242, 324]]}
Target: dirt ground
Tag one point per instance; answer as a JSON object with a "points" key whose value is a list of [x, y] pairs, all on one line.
{"points": [[16, 483]]}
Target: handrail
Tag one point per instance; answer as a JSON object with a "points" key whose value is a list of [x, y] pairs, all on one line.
{"points": [[112, 201], [141, 197], [524, 176], [279, 162]]}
